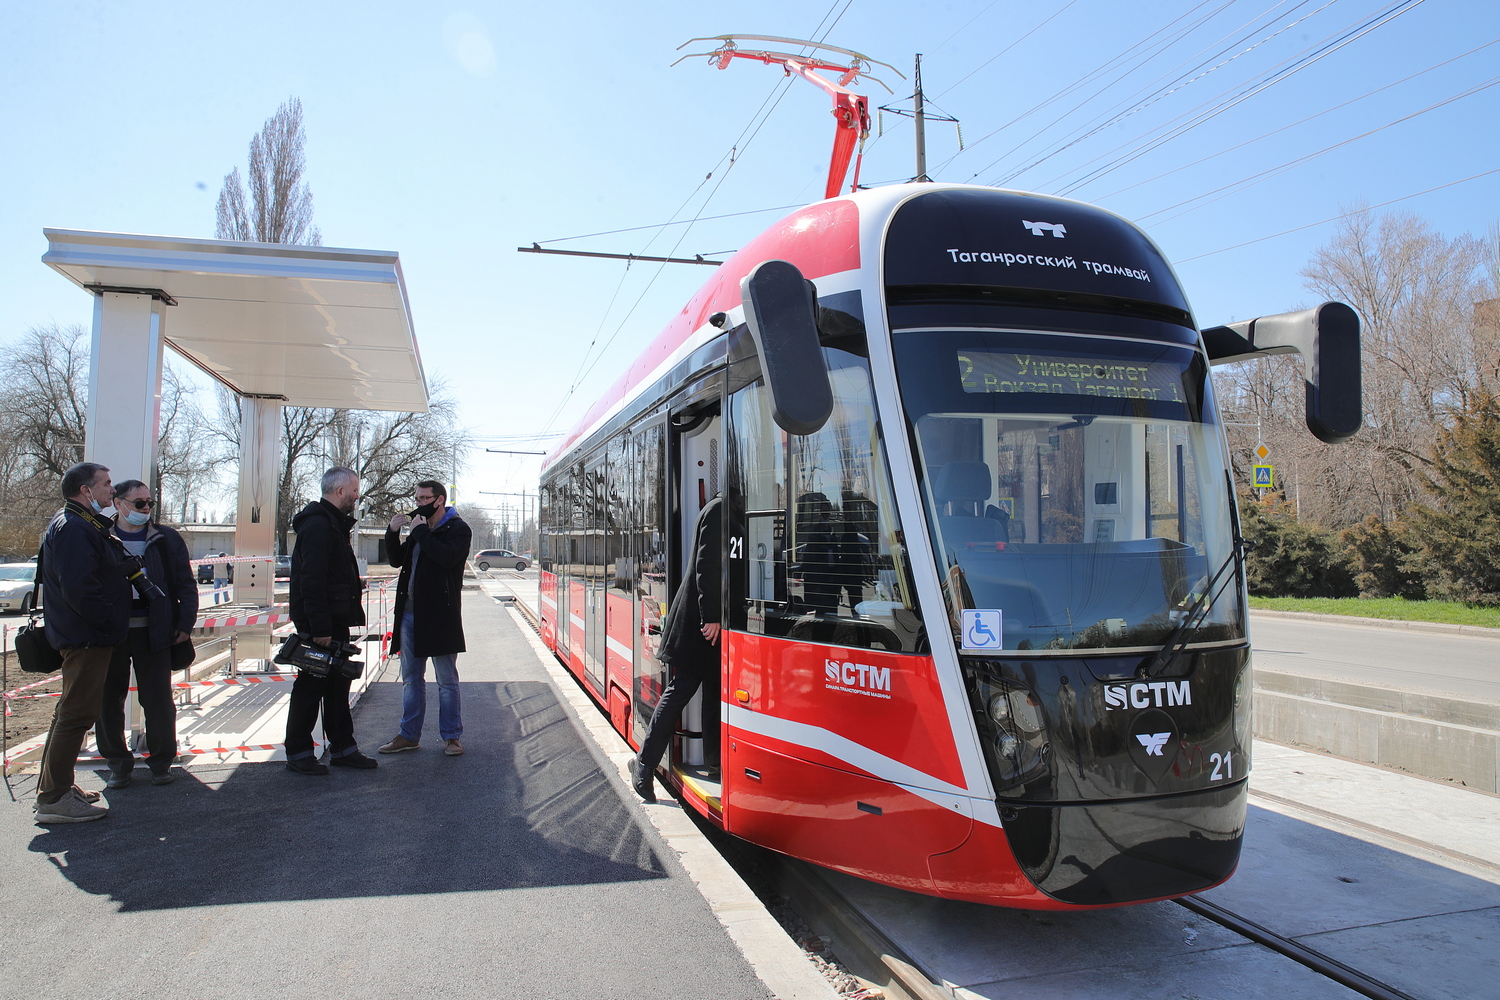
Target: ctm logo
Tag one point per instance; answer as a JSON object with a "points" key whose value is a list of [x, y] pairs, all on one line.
{"points": [[1147, 694], [861, 677], [1153, 742]]}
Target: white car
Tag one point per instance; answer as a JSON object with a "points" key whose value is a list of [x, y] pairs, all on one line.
{"points": [[486, 558], [16, 583]]}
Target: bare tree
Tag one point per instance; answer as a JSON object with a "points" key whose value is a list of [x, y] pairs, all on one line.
{"points": [[1426, 350], [280, 208]]}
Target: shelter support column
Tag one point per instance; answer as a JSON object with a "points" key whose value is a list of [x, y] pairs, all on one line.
{"points": [[255, 521], [123, 421]]}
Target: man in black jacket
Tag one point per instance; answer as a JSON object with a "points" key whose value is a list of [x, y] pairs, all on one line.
{"points": [[689, 644], [87, 602], [155, 627], [326, 598], [429, 613]]}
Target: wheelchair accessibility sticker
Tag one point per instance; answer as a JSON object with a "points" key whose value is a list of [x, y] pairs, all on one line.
{"points": [[982, 631]]}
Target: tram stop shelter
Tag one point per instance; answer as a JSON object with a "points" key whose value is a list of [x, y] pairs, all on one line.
{"points": [[279, 325]]}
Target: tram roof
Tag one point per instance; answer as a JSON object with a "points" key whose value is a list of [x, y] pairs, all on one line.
{"points": [[316, 326]]}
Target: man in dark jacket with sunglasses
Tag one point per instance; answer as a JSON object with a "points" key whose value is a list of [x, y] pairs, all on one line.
{"points": [[156, 626]]}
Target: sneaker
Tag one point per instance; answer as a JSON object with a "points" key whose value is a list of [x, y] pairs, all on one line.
{"points": [[162, 777], [307, 765], [398, 744], [71, 808], [355, 759], [453, 748], [117, 779]]}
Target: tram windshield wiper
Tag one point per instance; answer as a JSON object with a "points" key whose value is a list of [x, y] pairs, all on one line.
{"points": [[1178, 637]]}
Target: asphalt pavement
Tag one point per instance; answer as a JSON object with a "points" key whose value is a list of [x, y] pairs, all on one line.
{"points": [[1465, 667], [515, 870]]}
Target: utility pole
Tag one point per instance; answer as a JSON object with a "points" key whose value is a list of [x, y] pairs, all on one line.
{"points": [[921, 121]]}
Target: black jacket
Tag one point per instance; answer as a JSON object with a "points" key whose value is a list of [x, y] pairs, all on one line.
{"points": [[326, 590], [699, 597], [435, 596], [86, 595], [166, 563]]}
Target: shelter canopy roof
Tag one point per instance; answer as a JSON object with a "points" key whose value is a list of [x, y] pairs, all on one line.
{"points": [[316, 326]]}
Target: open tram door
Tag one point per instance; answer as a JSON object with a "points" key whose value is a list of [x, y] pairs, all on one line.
{"points": [[696, 450]]}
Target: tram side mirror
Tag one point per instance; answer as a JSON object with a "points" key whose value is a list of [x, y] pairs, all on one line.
{"points": [[781, 311], [1327, 338]]}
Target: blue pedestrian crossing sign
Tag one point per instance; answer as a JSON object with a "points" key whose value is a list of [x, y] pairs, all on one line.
{"points": [[1261, 477], [982, 630]]}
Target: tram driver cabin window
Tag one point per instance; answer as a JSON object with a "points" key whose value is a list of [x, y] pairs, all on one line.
{"points": [[823, 557]]}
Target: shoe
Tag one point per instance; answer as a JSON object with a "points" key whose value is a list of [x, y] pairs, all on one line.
{"points": [[71, 808], [307, 765], [453, 748], [86, 796], [398, 744], [355, 759], [118, 779], [162, 777], [643, 783]]}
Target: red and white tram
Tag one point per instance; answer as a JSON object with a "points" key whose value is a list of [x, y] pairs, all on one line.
{"points": [[985, 624]]}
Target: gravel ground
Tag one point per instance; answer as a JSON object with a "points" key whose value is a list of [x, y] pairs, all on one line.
{"points": [[29, 717]]}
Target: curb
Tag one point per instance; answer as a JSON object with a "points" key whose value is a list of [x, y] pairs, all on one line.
{"points": [[774, 957], [1436, 627]]}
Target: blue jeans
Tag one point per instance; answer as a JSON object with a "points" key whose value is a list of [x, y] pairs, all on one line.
{"points": [[414, 689]]}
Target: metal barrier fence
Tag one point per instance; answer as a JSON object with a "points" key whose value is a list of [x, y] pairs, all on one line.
{"points": [[242, 622]]}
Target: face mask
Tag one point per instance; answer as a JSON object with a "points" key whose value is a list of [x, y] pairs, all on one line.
{"points": [[137, 517], [97, 509], [425, 510]]}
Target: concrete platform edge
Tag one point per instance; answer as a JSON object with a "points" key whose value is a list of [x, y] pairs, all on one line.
{"points": [[776, 959]]}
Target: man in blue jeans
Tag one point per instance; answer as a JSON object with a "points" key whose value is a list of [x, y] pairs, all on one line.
{"points": [[429, 613]]}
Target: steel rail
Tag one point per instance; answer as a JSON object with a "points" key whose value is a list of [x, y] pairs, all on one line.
{"points": [[1323, 965]]}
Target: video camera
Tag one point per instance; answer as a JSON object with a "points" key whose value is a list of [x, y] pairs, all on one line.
{"points": [[301, 652], [136, 574]]}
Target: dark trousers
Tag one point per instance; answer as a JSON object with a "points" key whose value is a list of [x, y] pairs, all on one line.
{"points": [[153, 683], [331, 694], [83, 673], [680, 689]]}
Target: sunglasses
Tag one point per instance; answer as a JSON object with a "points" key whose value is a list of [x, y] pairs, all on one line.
{"points": [[141, 504]]}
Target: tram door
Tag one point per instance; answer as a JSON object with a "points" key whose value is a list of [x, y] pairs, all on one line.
{"points": [[700, 449], [595, 567], [650, 551]]}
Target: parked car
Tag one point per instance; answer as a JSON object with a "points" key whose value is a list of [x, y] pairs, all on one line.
{"points": [[486, 558], [16, 583], [283, 567]]}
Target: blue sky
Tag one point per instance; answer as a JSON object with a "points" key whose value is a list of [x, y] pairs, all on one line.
{"points": [[455, 133]]}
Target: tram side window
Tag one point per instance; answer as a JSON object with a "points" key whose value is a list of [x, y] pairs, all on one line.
{"points": [[823, 559]]}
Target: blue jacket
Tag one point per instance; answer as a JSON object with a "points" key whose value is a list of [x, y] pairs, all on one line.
{"points": [[166, 563], [85, 595]]}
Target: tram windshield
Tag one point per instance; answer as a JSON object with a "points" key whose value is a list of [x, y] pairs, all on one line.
{"points": [[1076, 484]]}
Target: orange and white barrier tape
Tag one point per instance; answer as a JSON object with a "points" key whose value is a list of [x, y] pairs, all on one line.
{"points": [[268, 618]]}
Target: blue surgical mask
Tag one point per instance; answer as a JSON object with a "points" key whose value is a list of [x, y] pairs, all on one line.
{"points": [[137, 517], [97, 509]]}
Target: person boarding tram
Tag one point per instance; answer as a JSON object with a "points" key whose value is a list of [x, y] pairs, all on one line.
{"points": [[689, 644]]}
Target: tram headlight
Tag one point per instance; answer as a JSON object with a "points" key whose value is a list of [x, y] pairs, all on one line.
{"points": [[1244, 704], [1015, 727]]}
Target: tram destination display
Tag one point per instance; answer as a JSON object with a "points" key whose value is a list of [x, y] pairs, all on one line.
{"points": [[1008, 371]]}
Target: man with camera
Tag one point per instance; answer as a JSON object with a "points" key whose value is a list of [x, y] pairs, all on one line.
{"points": [[158, 623], [87, 601], [326, 599], [429, 613]]}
